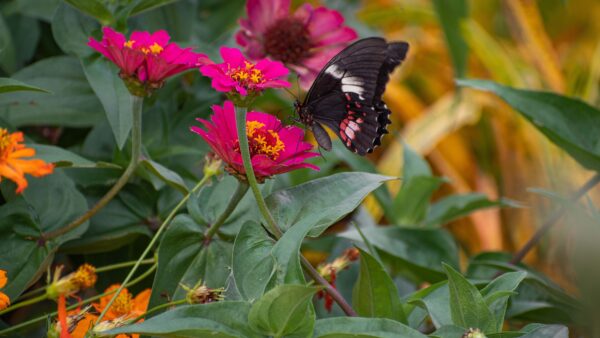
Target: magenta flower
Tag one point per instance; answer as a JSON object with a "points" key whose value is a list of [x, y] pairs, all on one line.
{"points": [[146, 60], [305, 40], [238, 75], [274, 149]]}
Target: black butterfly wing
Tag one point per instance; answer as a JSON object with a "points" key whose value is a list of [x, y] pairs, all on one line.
{"points": [[346, 95]]}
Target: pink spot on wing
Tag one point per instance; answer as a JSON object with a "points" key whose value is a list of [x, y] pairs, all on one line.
{"points": [[359, 120], [348, 97], [350, 133]]}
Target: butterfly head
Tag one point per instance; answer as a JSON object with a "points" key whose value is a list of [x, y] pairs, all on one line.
{"points": [[304, 115]]}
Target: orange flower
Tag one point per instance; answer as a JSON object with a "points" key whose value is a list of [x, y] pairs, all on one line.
{"points": [[13, 167], [125, 305], [4, 300]]}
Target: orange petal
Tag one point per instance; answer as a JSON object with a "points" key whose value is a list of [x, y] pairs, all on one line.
{"points": [[84, 326], [15, 175], [23, 152], [35, 168], [141, 301], [62, 317], [3, 278], [4, 301]]}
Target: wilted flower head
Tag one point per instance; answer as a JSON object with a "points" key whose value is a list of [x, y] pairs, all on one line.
{"points": [[12, 163], [329, 271], [4, 300], [305, 40], [274, 149], [85, 277], [202, 294], [146, 59], [236, 75]]}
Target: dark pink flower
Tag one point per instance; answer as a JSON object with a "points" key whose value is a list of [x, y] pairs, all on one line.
{"points": [[146, 60], [305, 40], [274, 149], [236, 74]]}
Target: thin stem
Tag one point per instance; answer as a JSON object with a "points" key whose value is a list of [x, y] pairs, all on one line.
{"points": [[76, 305], [556, 215], [136, 146], [25, 303], [262, 206], [162, 227], [122, 265], [33, 292], [159, 307], [240, 117], [239, 193]]}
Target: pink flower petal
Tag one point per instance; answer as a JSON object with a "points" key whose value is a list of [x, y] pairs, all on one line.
{"points": [[262, 13]]}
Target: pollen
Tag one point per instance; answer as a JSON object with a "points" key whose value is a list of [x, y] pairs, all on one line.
{"points": [[263, 141], [85, 276], [156, 48], [5, 140], [129, 44], [247, 75], [122, 305]]}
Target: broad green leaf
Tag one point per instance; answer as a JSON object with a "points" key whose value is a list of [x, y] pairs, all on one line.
{"points": [[94, 8], [253, 265], [219, 320], [570, 123], [418, 185], [497, 292], [139, 6], [72, 30], [456, 206], [60, 156], [166, 175], [547, 331], [118, 103], [184, 259], [285, 311], [375, 294], [436, 300], [72, 102], [415, 253], [8, 57], [48, 203], [124, 219], [450, 14], [467, 306], [323, 201], [356, 327], [449, 331], [8, 85], [287, 254]]}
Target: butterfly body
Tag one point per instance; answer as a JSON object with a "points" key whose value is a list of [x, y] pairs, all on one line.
{"points": [[346, 95]]}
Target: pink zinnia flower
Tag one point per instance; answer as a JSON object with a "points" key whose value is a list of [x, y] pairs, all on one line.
{"points": [[305, 40], [146, 60], [236, 74], [274, 149]]}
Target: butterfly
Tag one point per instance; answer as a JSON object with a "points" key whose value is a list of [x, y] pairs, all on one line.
{"points": [[346, 95]]}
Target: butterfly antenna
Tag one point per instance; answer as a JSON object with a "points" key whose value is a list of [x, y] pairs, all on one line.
{"points": [[291, 94]]}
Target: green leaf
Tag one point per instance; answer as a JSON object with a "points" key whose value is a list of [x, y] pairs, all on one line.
{"points": [[323, 201], [375, 294], [570, 123], [456, 206], [72, 30], [219, 320], [467, 306], [497, 292], [139, 6], [48, 203], [8, 85], [8, 56], [72, 102], [184, 259], [436, 300], [253, 265], [118, 103], [94, 8], [60, 156], [356, 327], [284, 311], [418, 185], [287, 254], [450, 14], [450, 331], [547, 331], [166, 175], [415, 253]]}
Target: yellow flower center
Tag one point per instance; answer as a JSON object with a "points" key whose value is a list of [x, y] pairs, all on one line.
{"points": [[263, 141], [156, 48], [85, 276], [122, 305], [5, 140], [129, 43], [247, 75]]}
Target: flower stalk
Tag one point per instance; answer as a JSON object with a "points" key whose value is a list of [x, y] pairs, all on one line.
{"points": [[136, 146], [262, 206], [208, 175], [239, 193]]}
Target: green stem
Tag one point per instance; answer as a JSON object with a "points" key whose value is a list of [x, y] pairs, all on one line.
{"points": [[162, 227], [159, 307], [240, 191], [240, 116], [122, 265], [74, 306], [136, 146], [25, 303]]}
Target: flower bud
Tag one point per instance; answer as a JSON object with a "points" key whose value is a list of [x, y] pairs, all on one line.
{"points": [[474, 333], [85, 277]]}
